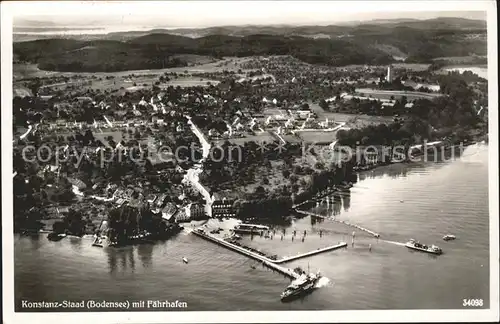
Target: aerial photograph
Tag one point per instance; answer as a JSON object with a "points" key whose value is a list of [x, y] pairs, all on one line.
{"points": [[281, 162]]}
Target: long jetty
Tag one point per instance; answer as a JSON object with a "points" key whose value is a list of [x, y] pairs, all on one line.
{"points": [[303, 255], [318, 197], [273, 264], [377, 235]]}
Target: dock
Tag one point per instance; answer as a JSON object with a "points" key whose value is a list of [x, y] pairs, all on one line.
{"points": [[318, 251], [273, 264], [285, 271], [318, 197], [377, 235]]}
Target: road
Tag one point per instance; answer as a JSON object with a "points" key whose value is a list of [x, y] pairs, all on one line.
{"points": [[193, 175]]}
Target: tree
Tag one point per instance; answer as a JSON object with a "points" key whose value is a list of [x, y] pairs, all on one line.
{"points": [[323, 104], [59, 227], [74, 222], [319, 165], [66, 196], [148, 166], [89, 136], [35, 86]]}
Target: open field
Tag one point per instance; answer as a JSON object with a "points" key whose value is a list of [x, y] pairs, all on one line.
{"points": [[22, 70], [258, 138], [124, 79], [458, 60], [352, 120], [273, 111], [291, 138], [21, 91], [411, 66], [190, 82], [318, 136], [407, 66], [99, 82], [197, 64], [258, 77], [387, 94]]}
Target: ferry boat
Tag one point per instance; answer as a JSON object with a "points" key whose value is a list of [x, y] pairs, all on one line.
{"points": [[250, 229], [414, 245], [304, 284], [449, 237]]}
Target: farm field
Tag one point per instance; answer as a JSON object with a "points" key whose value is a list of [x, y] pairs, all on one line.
{"points": [[317, 136], [258, 138], [387, 94]]}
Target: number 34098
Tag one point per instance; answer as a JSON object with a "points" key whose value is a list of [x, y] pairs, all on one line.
{"points": [[472, 302]]}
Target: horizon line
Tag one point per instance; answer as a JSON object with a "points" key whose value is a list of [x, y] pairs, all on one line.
{"points": [[305, 24]]}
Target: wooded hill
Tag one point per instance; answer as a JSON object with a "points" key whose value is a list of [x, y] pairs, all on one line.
{"points": [[418, 41], [154, 51]]}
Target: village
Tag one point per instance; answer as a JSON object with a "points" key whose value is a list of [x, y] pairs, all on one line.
{"points": [[277, 103]]}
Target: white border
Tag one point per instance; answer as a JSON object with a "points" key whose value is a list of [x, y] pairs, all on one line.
{"points": [[9, 9]]}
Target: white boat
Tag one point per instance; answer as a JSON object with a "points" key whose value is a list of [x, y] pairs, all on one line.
{"points": [[250, 229], [185, 260], [449, 237], [304, 284], [414, 245]]}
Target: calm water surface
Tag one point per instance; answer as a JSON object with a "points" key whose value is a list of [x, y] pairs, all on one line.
{"points": [[480, 71], [421, 201]]}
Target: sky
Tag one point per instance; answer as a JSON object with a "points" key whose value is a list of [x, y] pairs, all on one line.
{"points": [[218, 13]]}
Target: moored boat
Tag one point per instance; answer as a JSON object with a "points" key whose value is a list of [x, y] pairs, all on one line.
{"points": [[250, 229], [56, 237], [414, 245]]}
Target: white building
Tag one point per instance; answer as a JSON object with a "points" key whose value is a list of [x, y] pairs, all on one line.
{"points": [[390, 74]]}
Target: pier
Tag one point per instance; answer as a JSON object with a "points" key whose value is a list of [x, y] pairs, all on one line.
{"points": [[303, 255], [273, 264], [317, 197], [339, 221]]}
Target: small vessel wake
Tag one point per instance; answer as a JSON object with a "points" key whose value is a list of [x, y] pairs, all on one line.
{"points": [[394, 242], [322, 282]]}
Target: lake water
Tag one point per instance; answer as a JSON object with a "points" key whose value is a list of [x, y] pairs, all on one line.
{"points": [[480, 71], [423, 201], [84, 30]]}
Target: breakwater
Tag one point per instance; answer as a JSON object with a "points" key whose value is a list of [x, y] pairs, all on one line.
{"points": [[303, 255], [377, 235], [273, 264]]}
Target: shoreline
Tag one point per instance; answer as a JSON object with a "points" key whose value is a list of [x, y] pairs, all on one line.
{"points": [[291, 211]]}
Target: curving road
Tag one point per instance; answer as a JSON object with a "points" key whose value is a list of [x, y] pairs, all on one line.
{"points": [[193, 175]]}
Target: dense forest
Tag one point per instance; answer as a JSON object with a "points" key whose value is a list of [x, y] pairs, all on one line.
{"points": [[364, 44], [155, 51]]}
